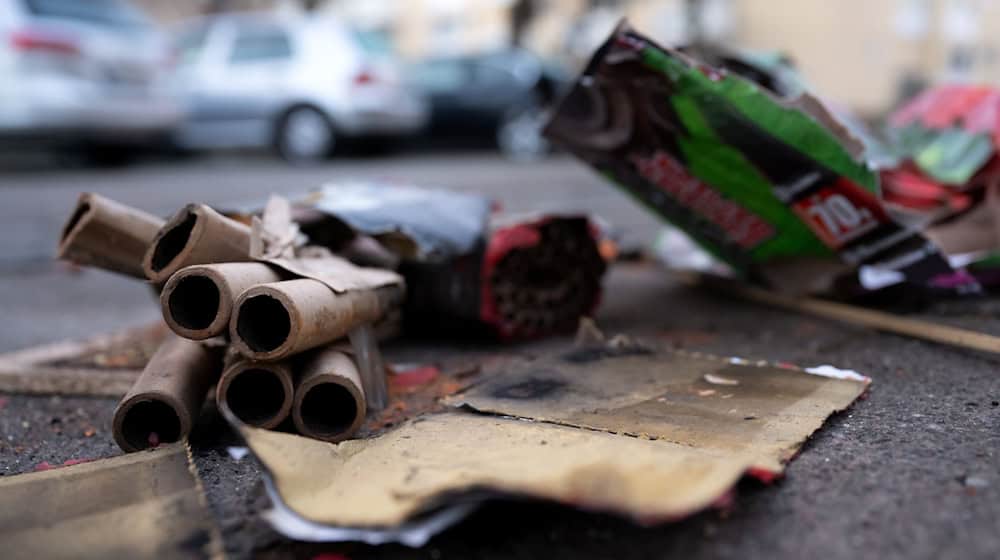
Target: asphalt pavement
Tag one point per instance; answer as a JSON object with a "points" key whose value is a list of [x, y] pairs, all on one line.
{"points": [[910, 471]]}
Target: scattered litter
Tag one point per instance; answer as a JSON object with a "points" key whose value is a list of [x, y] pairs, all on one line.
{"points": [[719, 380], [743, 160], [587, 334], [584, 414], [413, 376], [413, 533], [423, 224], [45, 465], [688, 337], [836, 373], [975, 482], [329, 556], [282, 310], [237, 452]]}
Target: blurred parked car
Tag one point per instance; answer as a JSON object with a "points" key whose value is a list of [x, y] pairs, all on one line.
{"points": [[502, 96], [297, 85], [88, 74]]}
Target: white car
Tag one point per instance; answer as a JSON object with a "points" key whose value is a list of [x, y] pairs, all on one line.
{"points": [[297, 84], [85, 73]]}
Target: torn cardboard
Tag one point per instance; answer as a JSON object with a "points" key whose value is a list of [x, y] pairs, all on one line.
{"points": [[142, 505], [645, 435], [759, 413]]}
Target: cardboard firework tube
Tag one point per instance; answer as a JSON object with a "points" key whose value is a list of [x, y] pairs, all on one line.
{"points": [[195, 235], [197, 301], [106, 234], [164, 402], [273, 321], [258, 393], [329, 399]]}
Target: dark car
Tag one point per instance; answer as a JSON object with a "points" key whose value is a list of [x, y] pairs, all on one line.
{"points": [[501, 96]]}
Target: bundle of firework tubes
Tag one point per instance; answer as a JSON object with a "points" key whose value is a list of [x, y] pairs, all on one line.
{"points": [[285, 330], [267, 328]]}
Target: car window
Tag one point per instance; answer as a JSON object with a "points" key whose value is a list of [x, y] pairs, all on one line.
{"points": [[190, 43], [257, 44], [442, 75], [374, 42], [103, 12], [490, 74]]}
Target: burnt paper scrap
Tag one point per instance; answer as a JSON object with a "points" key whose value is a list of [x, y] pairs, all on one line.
{"points": [[425, 224], [754, 177], [652, 436], [140, 505]]}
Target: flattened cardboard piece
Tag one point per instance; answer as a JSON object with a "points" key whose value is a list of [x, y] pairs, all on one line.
{"points": [[141, 505], [382, 482], [763, 413], [102, 366], [650, 436]]}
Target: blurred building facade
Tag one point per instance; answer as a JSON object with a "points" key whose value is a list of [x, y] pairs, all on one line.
{"points": [[865, 54], [869, 53]]}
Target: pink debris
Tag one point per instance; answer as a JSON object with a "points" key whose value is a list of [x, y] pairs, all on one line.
{"points": [[414, 377], [45, 465], [153, 439], [726, 501], [763, 475]]}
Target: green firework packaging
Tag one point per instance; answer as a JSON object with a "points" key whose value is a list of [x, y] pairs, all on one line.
{"points": [[754, 178]]}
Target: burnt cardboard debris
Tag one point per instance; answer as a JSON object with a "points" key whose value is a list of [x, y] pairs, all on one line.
{"points": [[756, 179], [671, 396], [142, 505], [736, 154], [539, 387], [946, 173], [585, 354], [650, 436]]}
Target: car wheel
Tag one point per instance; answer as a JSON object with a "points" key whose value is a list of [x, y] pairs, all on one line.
{"points": [[519, 135], [108, 155], [305, 135]]}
